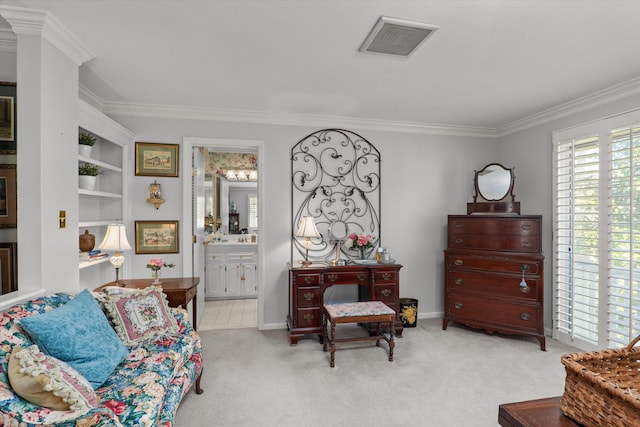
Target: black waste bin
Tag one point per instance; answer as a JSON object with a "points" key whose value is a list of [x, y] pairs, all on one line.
{"points": [[409, 312]]}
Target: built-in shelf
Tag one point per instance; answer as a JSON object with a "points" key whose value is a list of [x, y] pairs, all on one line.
{"points": [[84, 264], [84, 224], [103, 165], [84, 192]]}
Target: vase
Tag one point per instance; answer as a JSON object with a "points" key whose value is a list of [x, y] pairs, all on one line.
{"points": [[84, 150], [362, 253], [156, 277], [87, 182]]}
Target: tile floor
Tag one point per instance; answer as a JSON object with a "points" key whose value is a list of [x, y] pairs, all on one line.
{"points": [[229, 314]]}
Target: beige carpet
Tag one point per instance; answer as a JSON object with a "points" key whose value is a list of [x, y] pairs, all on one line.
{"points": [[456, 378]]}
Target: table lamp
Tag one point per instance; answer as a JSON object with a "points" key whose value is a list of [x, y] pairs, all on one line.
{"points": [[115, 239], [307, 229]]}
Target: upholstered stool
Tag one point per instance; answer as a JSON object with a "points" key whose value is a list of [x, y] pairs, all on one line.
{"points": [[358, 312]]}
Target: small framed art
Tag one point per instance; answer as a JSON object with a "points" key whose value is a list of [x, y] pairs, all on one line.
{"points": [[157, 237], [153, 159], [8, 111], [8, 267], [8, 197]]}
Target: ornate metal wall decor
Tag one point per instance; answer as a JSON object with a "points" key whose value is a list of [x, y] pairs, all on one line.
{"points": [[336, 179]]}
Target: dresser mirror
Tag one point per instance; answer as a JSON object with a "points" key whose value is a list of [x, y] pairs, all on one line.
{"points": [[494, 185]]}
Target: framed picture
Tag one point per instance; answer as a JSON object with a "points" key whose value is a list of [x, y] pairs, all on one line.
{"points": [[157, 237], [8, 267], [8, 118], [157, 159], [8, 197]]}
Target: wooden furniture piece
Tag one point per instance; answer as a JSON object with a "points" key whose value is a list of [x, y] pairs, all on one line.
{"points": [[494, 185], [179, 291], [358, 312], [534, 413], [377, 282], [494, 274], [230, 270]]}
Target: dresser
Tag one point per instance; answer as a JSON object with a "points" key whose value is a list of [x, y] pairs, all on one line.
{"points": [[376, 282], [486, 258]]}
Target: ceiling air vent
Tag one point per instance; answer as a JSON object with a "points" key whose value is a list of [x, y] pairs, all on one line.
{"points": [[394, 36]]}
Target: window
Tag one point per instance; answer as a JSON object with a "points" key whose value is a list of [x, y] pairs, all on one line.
{"points": [[597, 233], [252, 203]]}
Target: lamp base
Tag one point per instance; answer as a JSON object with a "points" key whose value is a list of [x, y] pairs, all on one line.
{"points": [[306, 263]]}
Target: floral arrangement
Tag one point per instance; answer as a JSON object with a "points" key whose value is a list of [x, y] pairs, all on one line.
{"points": [[359, 241], [155, 264]]}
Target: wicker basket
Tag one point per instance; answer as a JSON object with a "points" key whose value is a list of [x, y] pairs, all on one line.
{"points": [[602, 388]]}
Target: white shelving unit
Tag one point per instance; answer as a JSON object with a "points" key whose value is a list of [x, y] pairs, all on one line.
{"points": [[105, 204]]}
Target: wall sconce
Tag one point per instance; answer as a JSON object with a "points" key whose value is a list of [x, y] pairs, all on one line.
{"points": [[155, 195], [240, 175], [307, 230]]}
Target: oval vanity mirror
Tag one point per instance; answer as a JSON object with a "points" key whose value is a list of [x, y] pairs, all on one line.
{"points": [[338, 231], [494, 183]]}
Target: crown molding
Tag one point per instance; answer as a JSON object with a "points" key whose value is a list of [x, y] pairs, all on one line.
{"points": [[90, 117], [257, 117], [41, 23], [610, 94], [8, 41]]}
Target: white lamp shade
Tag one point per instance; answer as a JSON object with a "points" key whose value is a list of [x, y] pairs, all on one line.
{"points": [[307, 227], [115, 239]]}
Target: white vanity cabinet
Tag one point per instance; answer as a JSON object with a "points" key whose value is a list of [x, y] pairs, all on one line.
{"points": [[230, 270]]}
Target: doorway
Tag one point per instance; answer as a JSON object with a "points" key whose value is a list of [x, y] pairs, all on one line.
{"points": [[205, 219]]}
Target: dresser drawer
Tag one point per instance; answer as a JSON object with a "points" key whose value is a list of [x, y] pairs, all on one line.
{"points": [[495, 226], [350, 277], [308, 317], [388, 293], [528, 244], [493, 263], [308, 297], [490, 283], [478, 310], [386, 276], [308, 279]]}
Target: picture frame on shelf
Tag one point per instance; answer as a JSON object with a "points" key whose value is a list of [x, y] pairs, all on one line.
{"points": [[155, 159], [8, 129], [8, 267], [157, 237], [8, 197]]}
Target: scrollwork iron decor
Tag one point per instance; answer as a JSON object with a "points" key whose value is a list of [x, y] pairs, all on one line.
{"points": [[335, 179]]}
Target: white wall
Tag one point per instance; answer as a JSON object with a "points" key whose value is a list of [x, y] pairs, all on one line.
{"points": [[530, 152], [424, 178]]}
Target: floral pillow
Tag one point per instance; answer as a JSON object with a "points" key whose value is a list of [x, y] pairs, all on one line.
{"points": [[141, 316], [46, 381]]}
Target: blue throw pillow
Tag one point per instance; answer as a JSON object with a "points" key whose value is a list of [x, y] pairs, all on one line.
{"points": [[79, 334]]}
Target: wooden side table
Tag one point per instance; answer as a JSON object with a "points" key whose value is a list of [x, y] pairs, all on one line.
{"points": [[179, 291], [534, 413]]}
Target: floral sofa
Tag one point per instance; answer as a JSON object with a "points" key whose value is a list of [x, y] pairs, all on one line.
{"points": [[144, 389]]}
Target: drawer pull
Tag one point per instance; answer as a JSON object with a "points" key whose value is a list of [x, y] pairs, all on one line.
{"points": [[386, 292], [386, 276], [526, 244], [524, 267], [459, 225], [525, 316], [308, 317], [332, 277], [308, 280], [362, 276], [458, 262], [526, 227], [458, 305], [525, 289], [459, 241], [459, 281], [308, 296]]}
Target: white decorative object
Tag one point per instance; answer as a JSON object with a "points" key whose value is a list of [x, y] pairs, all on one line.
{"points": [[87, 182]]}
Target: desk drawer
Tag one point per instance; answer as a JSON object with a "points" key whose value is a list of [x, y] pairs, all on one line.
{"points": [[308, 317], [308, 297], [355, 277], [386, 276], [308, 279], [387, 293]]}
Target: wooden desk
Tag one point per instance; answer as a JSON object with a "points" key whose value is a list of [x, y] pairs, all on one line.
{"points": [[179, 291], [377, 282], [534, 413]]}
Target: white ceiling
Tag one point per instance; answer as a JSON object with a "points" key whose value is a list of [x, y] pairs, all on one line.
{"points": [[489, 64]]}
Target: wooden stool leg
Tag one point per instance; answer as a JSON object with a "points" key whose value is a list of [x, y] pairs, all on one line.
{"points": [[391, 343], [333, 343]]}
